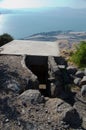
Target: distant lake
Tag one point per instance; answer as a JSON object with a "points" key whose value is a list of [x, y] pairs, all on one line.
{"points": [[22, 25]]}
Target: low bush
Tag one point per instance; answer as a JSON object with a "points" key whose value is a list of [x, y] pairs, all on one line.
{"points": [[79, 56], [5, 38]]}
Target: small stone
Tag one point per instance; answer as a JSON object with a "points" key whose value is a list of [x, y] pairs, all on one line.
{"points": [[29, 110], [61, 66], [23, 111], [56, 127], [6, 120], [46, 111], [83, 90], [37, 109], [62, 122], [24, 104], [71, 70], [79, 74], [19, 123], [49, 121], [77, 81], [83, 81], [66, 126]]}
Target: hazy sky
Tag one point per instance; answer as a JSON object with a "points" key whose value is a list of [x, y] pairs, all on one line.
{"points": [[42, 3]]}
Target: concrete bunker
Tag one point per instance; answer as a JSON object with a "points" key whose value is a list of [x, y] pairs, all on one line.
{"points": [[48, 73], [37, 53], [39, 66]]}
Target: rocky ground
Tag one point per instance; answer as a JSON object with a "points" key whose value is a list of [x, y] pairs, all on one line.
{"points": [[22, 107]]}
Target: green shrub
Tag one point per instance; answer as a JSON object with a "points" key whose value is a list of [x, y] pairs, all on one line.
{"points": [[79, 57], [5, 38]]}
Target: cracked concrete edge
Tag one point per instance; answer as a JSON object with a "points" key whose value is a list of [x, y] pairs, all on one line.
{"points": [[33, 76]]}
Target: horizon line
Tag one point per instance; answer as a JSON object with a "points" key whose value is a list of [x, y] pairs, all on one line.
{"points": [[42, 8]]}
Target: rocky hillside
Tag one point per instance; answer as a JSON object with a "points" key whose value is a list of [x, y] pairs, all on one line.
{"points": [[24, 107]]}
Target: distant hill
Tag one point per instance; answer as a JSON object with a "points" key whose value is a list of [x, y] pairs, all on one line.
{"points": [[66, 11], [5, 11]]}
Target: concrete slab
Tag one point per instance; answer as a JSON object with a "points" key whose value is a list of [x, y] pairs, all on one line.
{"points": [[38, 48]]}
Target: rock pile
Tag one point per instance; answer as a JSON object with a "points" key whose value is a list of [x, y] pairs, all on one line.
{"points": [[80, 81], [58, 76], [26, 109], [61, 76]]}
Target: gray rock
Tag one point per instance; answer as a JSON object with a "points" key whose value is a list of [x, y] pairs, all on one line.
{"points": [[83, 81], [72, 118], [12, 85], [63, 126], [80, 105], [49, 120], [71, 70], [62, 107], [31, 96], [6, 120], [79, 74], [61, 66], [19, 123], [29, 126], [77, 81], [83, 90]]}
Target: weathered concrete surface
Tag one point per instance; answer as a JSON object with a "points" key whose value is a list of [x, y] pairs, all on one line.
{"points": [[38, 48]]}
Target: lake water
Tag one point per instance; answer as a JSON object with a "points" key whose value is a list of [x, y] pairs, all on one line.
{"points": [[22, 25]]}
